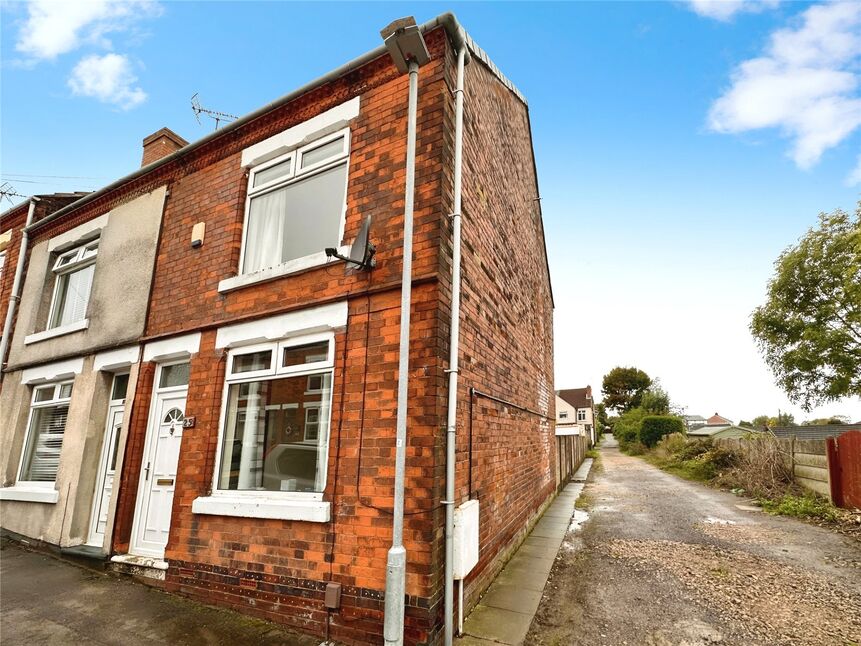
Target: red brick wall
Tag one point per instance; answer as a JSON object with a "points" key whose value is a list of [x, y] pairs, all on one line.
{"points": [[506, 325], [278, 569]]}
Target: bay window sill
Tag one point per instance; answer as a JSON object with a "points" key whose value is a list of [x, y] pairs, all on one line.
{"points": [[83, 324], [24, 493], [315, 511], [273, 273]]}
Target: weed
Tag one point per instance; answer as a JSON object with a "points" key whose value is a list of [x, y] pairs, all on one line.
{"points": [[808, 506]]}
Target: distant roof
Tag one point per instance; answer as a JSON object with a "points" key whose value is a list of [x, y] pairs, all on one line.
{"points": [[577, 397], [694, 418], [717, 420], [714, 429], [814, 432]]}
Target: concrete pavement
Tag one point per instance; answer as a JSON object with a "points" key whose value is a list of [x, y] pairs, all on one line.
{"points": [[506, 610]]}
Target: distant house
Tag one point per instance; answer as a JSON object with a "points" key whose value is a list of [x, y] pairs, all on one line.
{"points": [[694, 421], [814, 432], [718, 420], [720, 431], [575, 412]]}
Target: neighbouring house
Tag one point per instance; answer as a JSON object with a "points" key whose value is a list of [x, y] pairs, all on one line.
{"points": [[719, 431], [814, 432], [188, 358], [718, 420], [575, 412], [72, 360], [694, 421]]}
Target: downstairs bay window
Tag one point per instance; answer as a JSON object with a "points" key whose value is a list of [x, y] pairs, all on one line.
{"points": [[275, 435]]}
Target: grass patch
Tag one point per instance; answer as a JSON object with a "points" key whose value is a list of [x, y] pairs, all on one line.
{"points": [[809, 506], [584, 502]]}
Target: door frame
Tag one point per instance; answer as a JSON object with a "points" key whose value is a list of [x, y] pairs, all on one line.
{"points": [[153, 420], [114, 406]]}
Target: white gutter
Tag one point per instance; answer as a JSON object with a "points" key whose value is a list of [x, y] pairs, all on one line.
{"points": [[454, 347], [15, 296]]}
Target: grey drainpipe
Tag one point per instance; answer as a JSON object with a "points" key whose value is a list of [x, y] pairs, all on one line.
{"points": [[454, 346], [16, 284]]}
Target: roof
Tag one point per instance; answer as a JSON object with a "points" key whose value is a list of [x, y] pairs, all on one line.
{"points": [[447, 21], [718, 420], [814, 432], [714, 429], [694, 418], [577, 397]]}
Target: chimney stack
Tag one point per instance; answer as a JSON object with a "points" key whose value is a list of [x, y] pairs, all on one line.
{"points": [[160, 144]]}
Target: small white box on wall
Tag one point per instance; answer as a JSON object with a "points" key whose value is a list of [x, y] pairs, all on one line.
{"points": [[465, 538]]}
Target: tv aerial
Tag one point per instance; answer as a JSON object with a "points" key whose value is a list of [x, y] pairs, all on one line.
{"points": [[215, 115], [7, 192], [361, 251]]}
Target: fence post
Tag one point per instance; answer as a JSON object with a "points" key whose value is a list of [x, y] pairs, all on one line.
{"points": [[835, 481], [792, 457]]}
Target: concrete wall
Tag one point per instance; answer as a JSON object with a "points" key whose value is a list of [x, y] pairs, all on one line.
{"points": [[65, 522], [121, 283]]}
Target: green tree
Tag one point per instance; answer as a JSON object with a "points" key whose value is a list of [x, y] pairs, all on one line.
{"points": [[627, 427], [656, 400], [763, 421], [809, 329], [823, 421], [601, 420], [623, 388], [746, 424]]}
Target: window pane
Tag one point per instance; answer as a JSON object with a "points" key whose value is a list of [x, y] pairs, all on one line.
{"points": [[44, 442], [121, 385], [252, 361], [298, 355], [116, 448], [273, 172], [175, 375], [320, 153], [73, 293], [271, 441], [44, 394], [65, 391], [295, 221]]}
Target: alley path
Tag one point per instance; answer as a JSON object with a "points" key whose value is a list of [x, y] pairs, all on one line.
{"points": [[663, 561]]}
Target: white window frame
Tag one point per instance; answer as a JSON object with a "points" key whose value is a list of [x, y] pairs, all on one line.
{"points": [[563, 414], [581, 414], [296, 175], [79, 258], [34, 405], [275, 371]]}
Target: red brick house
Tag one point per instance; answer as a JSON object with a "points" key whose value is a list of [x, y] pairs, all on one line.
{"points": [[256, 462]]}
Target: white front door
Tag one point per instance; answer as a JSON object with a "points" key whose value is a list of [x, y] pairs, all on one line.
{"points": [[105, 479], [158, 473]]}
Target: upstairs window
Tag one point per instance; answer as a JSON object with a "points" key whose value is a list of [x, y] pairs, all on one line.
{"points": [[563, 414], [48, 412], [296, 203], [74, 278], [581, 414]]}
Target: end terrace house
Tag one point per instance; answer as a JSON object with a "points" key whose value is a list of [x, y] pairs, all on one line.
{"points": [[256, 456]]}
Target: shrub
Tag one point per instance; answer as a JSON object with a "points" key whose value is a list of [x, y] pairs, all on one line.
{"points": [[627, 428], [671, 445], [654, 427], [759, 466]]}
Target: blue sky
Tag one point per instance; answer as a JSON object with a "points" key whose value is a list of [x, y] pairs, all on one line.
{"points": [[680, 146]]}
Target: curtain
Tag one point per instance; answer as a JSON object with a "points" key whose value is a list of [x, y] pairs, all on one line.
{"points": [[265, 231], [45, 444]]}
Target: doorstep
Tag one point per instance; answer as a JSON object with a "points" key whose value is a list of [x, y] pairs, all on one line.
{"points": [[147, 567], [505, 611]]}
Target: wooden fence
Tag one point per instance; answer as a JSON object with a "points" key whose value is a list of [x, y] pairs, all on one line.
{"points": [[570, 451], [807, 458]]}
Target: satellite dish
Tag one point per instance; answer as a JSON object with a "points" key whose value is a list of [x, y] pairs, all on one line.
{"points": [[361, 251]]}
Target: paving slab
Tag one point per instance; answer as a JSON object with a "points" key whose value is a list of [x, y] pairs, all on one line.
{"points": [[522, 578], [499, 625], [539, 551], [514, 598]]}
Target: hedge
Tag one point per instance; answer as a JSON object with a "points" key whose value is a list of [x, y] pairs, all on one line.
{"points": [[654, 427]]}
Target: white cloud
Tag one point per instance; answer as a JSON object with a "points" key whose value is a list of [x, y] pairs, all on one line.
{"points": [[726, 9], [805, 84], [56, 27], [109, 79]]}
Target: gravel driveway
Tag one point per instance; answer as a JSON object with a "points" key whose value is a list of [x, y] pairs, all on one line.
{"points": [[665, 561]]}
